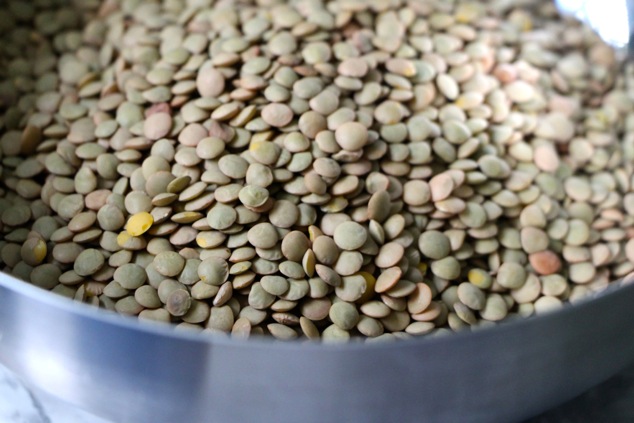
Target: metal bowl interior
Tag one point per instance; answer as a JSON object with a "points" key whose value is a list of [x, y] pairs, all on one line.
{"points": [[127, 371]]}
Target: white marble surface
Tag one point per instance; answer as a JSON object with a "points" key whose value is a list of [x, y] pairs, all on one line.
{"points": [[19, 405]]}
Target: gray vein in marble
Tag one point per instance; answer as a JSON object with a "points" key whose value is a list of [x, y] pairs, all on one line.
{"points": [[17, 404]]}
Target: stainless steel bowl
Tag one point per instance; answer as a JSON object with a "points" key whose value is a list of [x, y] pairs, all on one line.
{"points": [[129, 371], [612, 20]]}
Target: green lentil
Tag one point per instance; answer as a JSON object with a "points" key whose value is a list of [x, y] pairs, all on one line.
{"points": [[287, 174]]}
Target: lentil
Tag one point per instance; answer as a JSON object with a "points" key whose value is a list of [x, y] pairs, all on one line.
{"points": [[325, 170]]}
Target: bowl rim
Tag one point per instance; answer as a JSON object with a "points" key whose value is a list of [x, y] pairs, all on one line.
{"points": [[132, 323]]}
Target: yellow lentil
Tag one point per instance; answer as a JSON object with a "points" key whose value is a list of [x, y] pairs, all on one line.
{"points": [[139, 223]]}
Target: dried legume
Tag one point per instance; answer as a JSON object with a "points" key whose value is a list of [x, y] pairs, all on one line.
{"points": [[323, 170]]}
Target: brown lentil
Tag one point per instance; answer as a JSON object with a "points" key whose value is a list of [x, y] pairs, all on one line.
{"points": [[332, 170]]}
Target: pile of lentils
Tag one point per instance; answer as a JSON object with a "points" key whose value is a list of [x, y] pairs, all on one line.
{"points": [[316, 169]]}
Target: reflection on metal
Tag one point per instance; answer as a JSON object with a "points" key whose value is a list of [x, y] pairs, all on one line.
{"points": [[613, 20], [126, 371]]}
